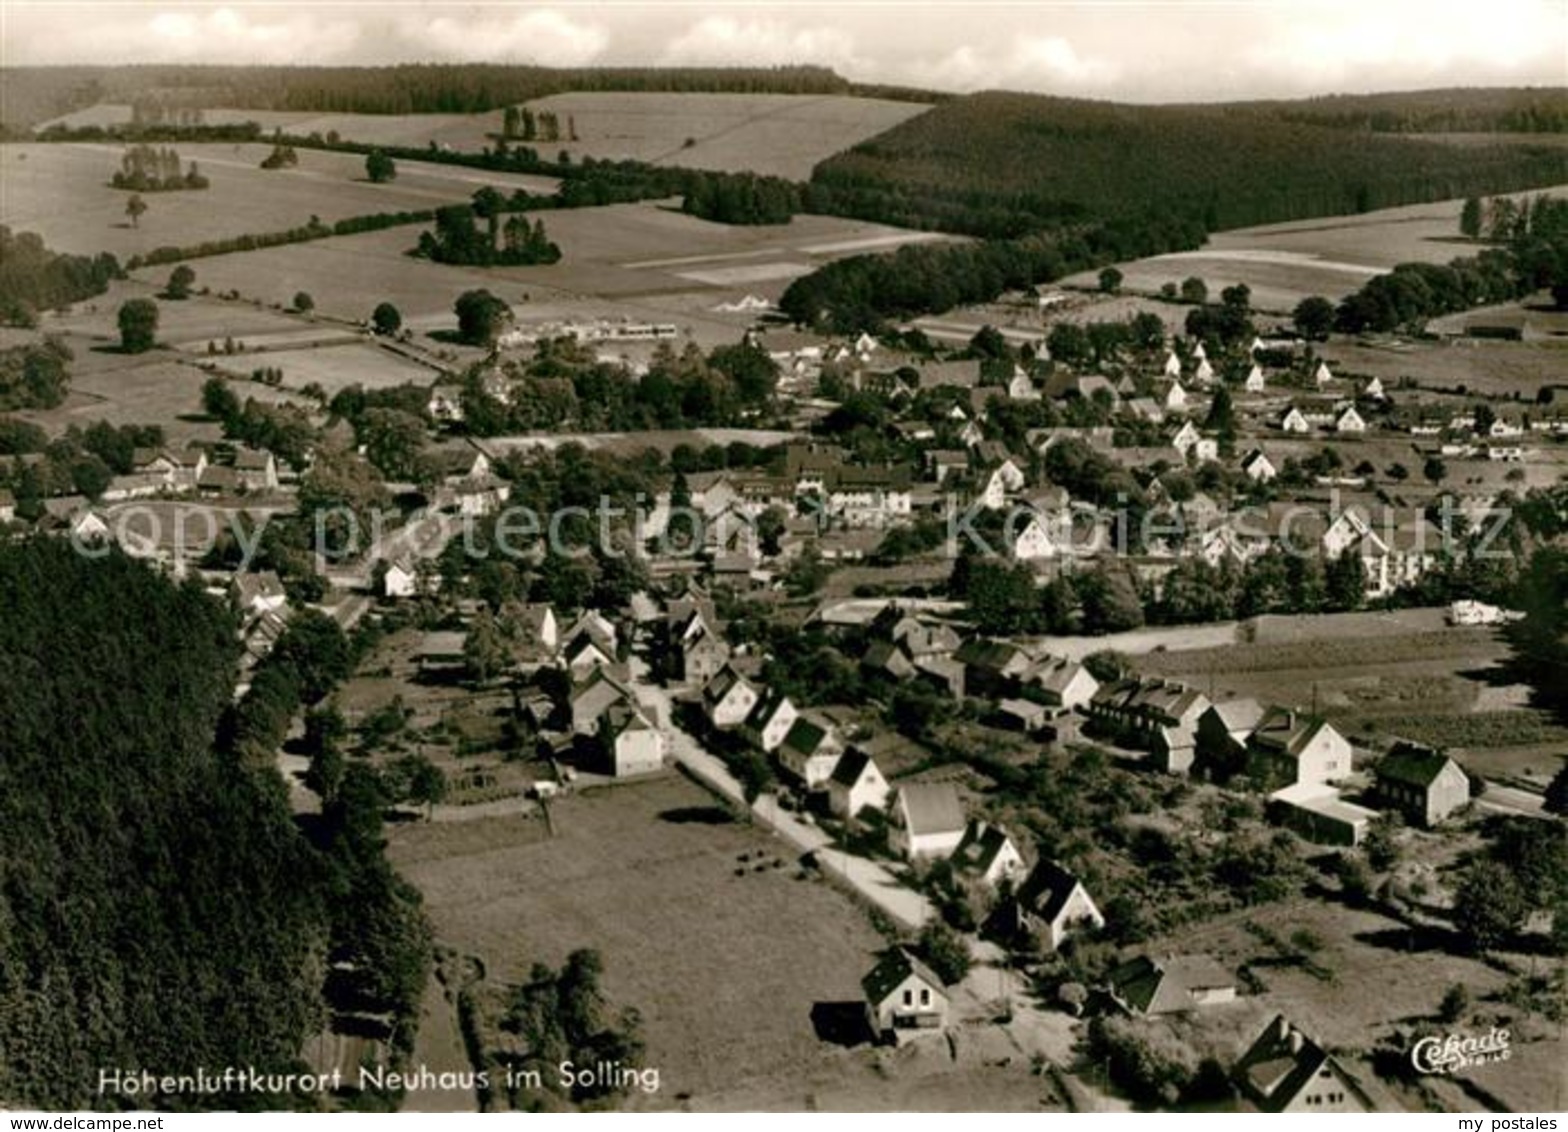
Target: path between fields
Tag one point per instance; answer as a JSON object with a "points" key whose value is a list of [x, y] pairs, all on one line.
{"points": [[906, 907]]}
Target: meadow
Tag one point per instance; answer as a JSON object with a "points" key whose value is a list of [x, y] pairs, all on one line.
{"points": [[723, 957]]}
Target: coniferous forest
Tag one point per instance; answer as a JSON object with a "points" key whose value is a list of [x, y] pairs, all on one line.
{"points": [[158, 907]]}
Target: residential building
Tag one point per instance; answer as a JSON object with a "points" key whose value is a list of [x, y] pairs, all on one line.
{"points": [[1175, 984], [856, 784], [1050, 906], [1290, 747], [728, 698], [1424, 784], [904, 998], [811, 750], [928, 820], [1286, 1071], [989, 855]]}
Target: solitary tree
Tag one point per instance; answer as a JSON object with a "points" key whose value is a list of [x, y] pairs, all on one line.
{"points": [[138, 325], [386, 319], [1314, 317], [1470, 218], [180, 280], [1110, 280], [134, 207], [303, 302], [379, 167], [480, 316], [1488, 905], [1194, 290]]}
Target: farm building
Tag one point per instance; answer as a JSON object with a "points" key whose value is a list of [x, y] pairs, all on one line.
{"points": [[904, 998], [1172, 985], [928, 821], [1425, 785], [1286, 1071]]}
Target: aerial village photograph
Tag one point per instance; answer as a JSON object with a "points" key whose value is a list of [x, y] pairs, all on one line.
{"points": [[788, 558]]}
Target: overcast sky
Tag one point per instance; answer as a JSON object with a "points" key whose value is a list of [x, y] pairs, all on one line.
{"points": [[1141, 51]]}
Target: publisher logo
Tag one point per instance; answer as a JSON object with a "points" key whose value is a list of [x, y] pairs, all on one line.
{"points": [[1455, 1052]]}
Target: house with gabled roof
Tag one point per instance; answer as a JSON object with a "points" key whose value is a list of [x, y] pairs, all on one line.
{"points": [[1290, 747], [1254, 382], [856, 784], [1349, 420], [1060, 682], [1422, 783], [904, 998], [729, 698], [992, 668], [810, 750], [628, 740], [256, 592], [401, 579], [1286, 1071], [257, 469], [593, 696], [988, 854], [1050, 906], [928, 820], [770, 721], [1174, 984], [1294, 420], [1257, 467], [1222, 732]]}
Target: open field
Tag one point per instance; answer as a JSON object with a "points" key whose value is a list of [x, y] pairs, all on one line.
{"points": [[1483, 367], [1331, 256], [337, 367], [784, 135], [61, 191], [725, 969], [627, 260]]}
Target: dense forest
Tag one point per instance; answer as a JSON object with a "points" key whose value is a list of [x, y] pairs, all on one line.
{"points": [[999, 165], [1525, 110], [742, 198], [157, 906], [34, 94], [33, 278]]}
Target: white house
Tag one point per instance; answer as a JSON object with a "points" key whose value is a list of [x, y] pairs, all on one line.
{"points": [[810, 751], [1061, 682], [771, 720], [1204, 373], [1291, 748], [1185, 437], [1175, 399], [928, 821], [1172, 365], [400, 580], [1004, 479], [1322, 375], [632, 744], [1254, 381], [856, 784], [728, 698], [1258, 467], [988, 854], [1349, 421], [1051, 905], [1038, 539], [1373, 389], [904, 998], [1294, 420]]}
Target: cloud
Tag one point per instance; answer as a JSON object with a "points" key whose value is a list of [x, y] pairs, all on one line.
{"points": [[544, 36], [719, 41], [1035, 63], [225, 35], [1397, 41]]}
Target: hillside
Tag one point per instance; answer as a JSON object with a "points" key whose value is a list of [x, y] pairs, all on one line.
{"points": [[999, 164]]}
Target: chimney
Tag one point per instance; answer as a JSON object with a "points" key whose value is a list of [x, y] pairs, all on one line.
{"points": [[1295, 1042]]}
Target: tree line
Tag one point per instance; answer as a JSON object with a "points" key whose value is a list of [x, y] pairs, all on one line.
{"points": [[33, 278]]}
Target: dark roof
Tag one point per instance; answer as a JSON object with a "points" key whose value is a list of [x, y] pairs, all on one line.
{"points": [[851, 766], [1281, 1062], [894, 968], [1287, 730], [1046, 889], [1412, 764], [980, 846], [1163, 986]]}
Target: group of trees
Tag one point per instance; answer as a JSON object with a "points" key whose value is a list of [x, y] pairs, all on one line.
{"points": [[522, 124], [281, 157], [566, 386], [148, 169], [742, 198], [457, 239], [34, 376], [33, 278], [565, 1016]]}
